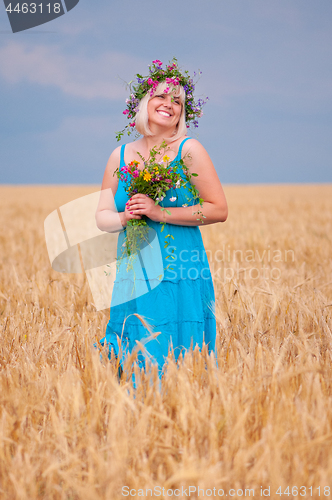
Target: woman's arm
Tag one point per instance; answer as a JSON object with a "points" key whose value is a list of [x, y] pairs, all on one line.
{"points": [[107, 217], [208, 185]]}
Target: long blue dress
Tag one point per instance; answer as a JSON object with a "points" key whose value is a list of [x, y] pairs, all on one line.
{"points": [[180, 305]]}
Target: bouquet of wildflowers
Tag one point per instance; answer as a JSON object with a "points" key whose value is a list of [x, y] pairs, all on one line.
{"points": [[153, 180]]}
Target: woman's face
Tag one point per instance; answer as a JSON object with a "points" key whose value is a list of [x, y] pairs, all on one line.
{"points": [[164, 110]]}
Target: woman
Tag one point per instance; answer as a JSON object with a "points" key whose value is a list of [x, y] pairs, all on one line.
{"points": [[180, 308]]}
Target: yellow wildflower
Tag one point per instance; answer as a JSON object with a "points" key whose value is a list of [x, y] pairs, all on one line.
{"points": [[147, 176], [166, 158]]}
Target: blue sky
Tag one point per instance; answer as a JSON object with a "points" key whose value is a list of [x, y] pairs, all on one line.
{"points": [[267, 69]]}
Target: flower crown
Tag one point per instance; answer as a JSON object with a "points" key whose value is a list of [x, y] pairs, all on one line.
{"points": [[173, 77]]}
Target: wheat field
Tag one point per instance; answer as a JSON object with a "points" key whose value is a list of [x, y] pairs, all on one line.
{"points": [[256, 424]]}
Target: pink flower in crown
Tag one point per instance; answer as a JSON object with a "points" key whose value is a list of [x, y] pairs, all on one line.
{"points": [[154, 85], [157, 62], [132, 124], [125, 112], [150, 81], [173, 81]]}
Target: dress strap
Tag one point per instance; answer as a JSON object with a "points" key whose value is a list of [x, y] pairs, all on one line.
{"points": [[122, 155], [180, 147]]}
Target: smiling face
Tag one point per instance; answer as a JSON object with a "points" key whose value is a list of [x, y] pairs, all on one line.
{"points": [[164, 113], [164, 109]]}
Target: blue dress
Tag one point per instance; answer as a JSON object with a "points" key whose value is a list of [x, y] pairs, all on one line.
{"points": [[179, 304]]}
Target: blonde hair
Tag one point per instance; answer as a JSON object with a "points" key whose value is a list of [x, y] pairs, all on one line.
{"points": [[142, 117]]}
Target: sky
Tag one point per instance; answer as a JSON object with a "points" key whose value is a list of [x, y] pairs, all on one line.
{"points": [[266, 68]]}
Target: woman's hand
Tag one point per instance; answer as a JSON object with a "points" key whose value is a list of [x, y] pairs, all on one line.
{"points": [[128, 214], [141, 204]]}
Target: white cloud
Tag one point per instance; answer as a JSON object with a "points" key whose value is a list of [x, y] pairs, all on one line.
{"points": [[78, 75]]}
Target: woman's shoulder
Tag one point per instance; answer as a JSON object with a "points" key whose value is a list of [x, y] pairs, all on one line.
{"points": [[114, 160], [130, 147], [115, 155], [192, 146], [117, 152]]}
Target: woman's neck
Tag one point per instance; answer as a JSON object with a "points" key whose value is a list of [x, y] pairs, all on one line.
{"points": [[149, 142], [145, 144]]}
